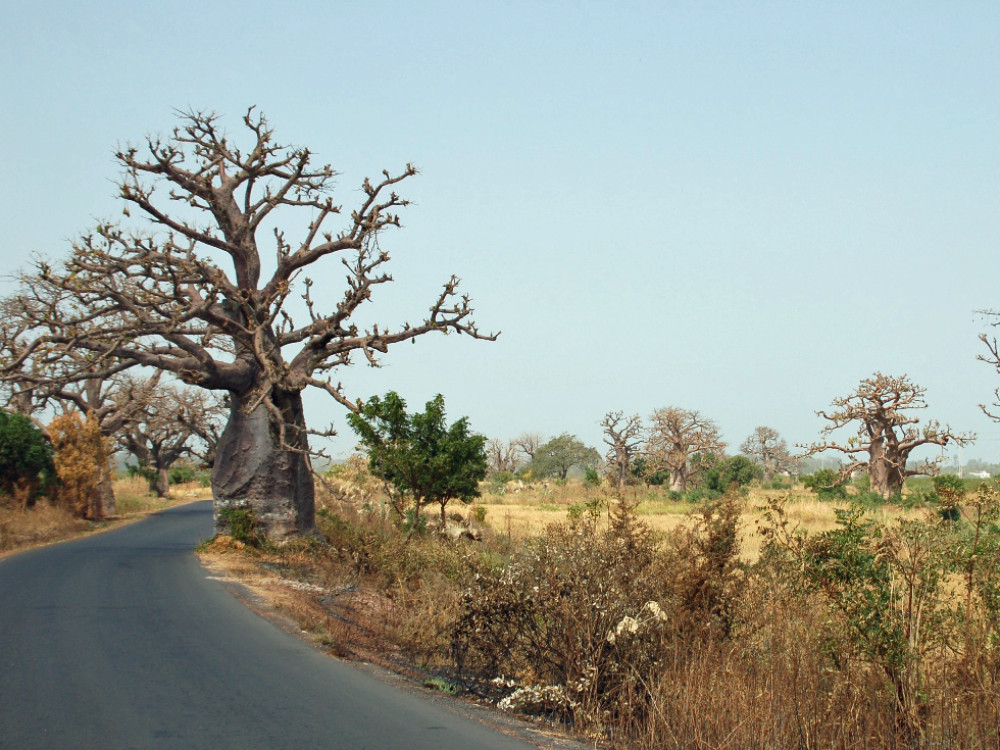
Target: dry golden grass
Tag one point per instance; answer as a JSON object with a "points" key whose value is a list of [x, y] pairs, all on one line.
{"points": [[531, 508], [38, 525], [45, 523], [132, 496]]}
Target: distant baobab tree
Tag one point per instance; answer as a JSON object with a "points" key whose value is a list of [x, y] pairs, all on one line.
{"points": [[886, 432]]}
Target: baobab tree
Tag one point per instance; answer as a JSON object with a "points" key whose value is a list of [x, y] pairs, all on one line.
{"points": [[529, 443], [886, 433], [186, 293], [37, 376], [168, 425], [624, 437], [501, 455], [768, 449], [674, 437]]}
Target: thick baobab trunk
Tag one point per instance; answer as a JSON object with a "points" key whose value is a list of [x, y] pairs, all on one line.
{"points": [[886, 479], [678, 481], [254, 470], [105, 491], [161, 481], [886, 471]]}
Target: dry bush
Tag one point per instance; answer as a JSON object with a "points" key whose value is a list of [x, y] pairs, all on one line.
{"points": [[678, 640], [570, 625], [352, 484], [80, 450]]}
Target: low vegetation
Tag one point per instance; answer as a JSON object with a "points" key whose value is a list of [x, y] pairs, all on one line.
{"points": [[48, 520], [752, 618]]}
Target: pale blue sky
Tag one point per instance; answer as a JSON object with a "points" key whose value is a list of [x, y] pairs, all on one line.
{"points": [[740, 208]]}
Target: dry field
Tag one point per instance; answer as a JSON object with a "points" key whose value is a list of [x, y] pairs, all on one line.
{"points": [[525, 510]]}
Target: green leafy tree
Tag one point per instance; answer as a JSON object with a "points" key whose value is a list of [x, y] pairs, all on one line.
{"points": [[25, 457], [827, 483], [560, 454], [738, 470], [423, 459]]}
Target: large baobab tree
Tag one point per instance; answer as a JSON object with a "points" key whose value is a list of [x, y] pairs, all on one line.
{"points": [[674, 437], [768, 449], [202, 289], [624, 438], [886, 432]]}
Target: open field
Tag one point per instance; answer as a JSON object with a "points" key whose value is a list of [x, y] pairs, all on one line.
{"points": [[530, 509]]}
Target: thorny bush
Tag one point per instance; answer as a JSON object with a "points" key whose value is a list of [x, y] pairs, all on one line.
{"points": [[580, 619]]}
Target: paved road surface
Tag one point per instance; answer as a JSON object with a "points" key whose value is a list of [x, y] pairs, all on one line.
{"points": [[121, 641]]}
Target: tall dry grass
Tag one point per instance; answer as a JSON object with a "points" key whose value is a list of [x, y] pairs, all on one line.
{"points": [[42, 523], [46, 522], [694, 633]]}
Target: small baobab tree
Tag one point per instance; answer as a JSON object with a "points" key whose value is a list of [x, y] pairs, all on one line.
{"points": [[529, 443], [501, 455], [202, 288], [886, 432], [675, 436], [624, 438], [769, 450]]}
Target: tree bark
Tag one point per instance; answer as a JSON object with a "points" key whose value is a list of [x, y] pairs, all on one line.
{"points": [[255, 470], [885, 469], [678, 481], [106, 491], [161, 481]]}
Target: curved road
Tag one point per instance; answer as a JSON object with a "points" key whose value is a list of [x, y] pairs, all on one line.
{"points": [[121, 641]]}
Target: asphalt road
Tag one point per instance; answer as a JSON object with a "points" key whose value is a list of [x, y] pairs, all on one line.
{"points": [[121, 640]]}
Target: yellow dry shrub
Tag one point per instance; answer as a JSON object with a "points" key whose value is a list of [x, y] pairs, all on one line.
{"points": [[80, 449]]}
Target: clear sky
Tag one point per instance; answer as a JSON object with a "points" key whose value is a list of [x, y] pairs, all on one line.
{"points": [[739, 208]]}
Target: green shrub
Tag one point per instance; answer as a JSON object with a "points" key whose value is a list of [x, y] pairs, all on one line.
{"points": [[738, 470], [182, 473], [242, 525], [26, 459], [701, 494], [826, 483]]}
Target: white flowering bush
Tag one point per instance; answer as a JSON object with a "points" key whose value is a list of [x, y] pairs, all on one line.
{"points": [[548, 617]]}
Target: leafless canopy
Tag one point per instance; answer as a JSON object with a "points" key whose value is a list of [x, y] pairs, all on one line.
{"points": [[164, 301], [886, 432], [624, 437], [992, 358], [529, 443], [675, 436], [501, 455], [168, 422], [767, 448], [187, 291]]}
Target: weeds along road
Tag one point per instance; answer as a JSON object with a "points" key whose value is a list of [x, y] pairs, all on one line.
{"points": [[120, 640]]}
